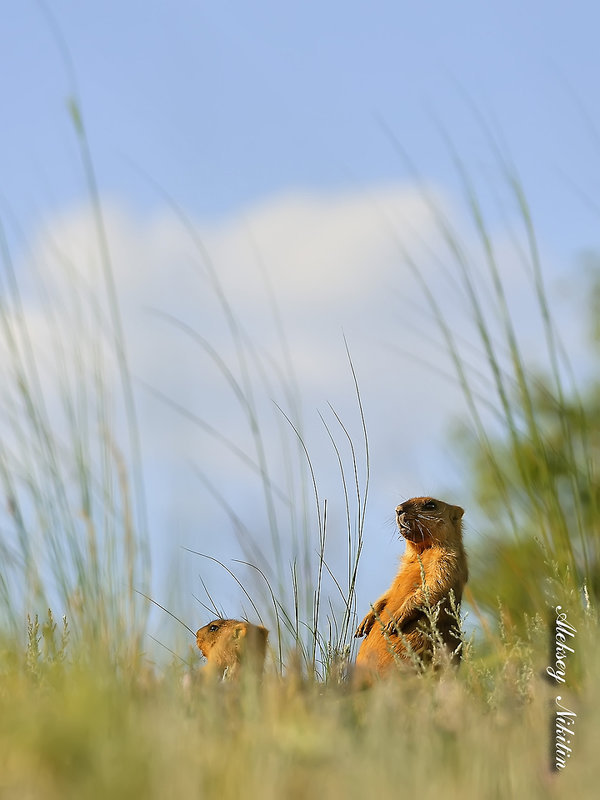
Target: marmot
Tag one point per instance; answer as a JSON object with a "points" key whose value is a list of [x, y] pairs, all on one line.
{"points": [[232, 645], [434, 563]]}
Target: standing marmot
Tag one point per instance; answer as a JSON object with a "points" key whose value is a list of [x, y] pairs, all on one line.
{"points": [[433, 533]]}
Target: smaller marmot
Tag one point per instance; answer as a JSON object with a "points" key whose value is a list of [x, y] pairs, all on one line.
{"points": [[434, 563], [232, 646]]}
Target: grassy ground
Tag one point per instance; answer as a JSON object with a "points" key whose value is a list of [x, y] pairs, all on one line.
{"points": [[75, 725]]}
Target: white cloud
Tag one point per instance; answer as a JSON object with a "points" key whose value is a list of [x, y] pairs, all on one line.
{"points": [[336, 266]]}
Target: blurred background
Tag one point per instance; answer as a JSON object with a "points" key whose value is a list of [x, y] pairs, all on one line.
{"points": [[206, 207]]}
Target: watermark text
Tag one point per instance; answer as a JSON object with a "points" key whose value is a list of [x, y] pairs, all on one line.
{"points": [[563, 719]]}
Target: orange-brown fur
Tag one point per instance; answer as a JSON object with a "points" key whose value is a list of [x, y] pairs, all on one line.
{"points": [[433, 533], [230, 646]]}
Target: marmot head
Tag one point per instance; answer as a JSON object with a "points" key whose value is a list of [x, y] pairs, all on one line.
{"points": [[425, 521], [228, 643]]}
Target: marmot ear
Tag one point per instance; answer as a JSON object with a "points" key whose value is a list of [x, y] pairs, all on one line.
{"points": [[239, 632], [262, 632], [456, 513]]}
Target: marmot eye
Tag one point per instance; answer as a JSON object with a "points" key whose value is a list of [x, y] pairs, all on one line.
{"points": [[429, 506], [213, 628]]}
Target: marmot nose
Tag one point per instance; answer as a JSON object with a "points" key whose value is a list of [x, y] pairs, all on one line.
{"points": [[401, 519]]}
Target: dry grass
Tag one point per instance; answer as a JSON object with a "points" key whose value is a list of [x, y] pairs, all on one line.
{"points": [[73, 725]]}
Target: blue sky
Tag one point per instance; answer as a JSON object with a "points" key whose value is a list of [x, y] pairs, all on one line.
{"points": [[263, 121], [228, 102]]}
